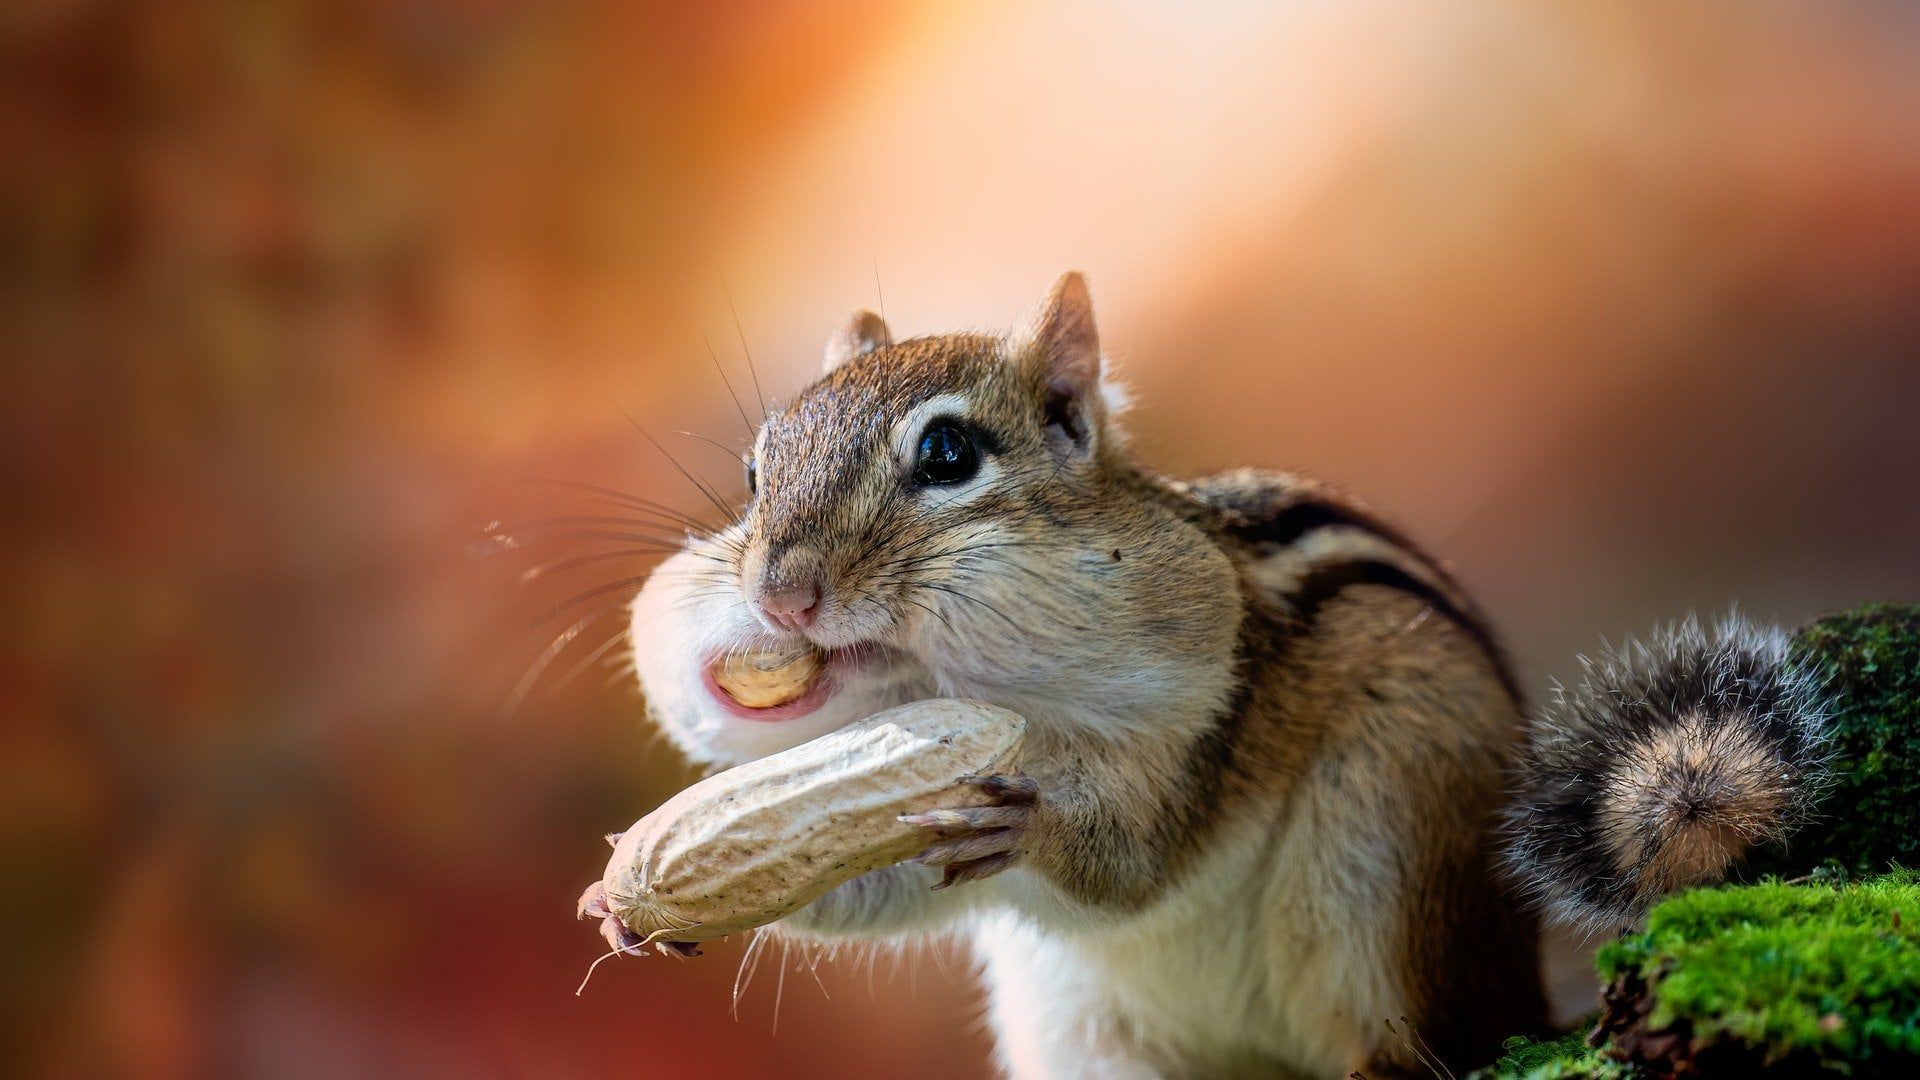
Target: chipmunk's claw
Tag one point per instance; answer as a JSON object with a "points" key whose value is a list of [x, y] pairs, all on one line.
{"points": [[972, 818], [977, 842], [977, 870], [621, 938], [593, 903], [1010, 789]]}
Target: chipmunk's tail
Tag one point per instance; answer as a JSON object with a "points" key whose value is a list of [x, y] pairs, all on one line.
{"points": [[1669, 761]]}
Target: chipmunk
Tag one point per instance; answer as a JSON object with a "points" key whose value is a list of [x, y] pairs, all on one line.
{"points": [[1267, 735], [1264, 815]]}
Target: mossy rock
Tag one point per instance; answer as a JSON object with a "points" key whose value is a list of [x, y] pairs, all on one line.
{"points": [[1792, 979], [1868, 821], [1565, 1058]]}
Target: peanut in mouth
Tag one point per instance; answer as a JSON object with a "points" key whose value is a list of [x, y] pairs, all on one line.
{"points": [[764, 680]]}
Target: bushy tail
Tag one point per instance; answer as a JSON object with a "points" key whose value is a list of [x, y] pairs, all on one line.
{"points": [[1668, 762]]}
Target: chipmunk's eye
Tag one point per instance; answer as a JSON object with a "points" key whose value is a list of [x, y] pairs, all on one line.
{"points": [[947, 455], [753, 476]]}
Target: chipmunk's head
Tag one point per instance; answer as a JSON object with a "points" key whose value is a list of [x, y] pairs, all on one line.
{"points": [[909, 496], [944, 515]]}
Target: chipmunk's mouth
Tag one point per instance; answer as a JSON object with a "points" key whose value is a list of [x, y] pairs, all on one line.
{"points": [[783, 684]]}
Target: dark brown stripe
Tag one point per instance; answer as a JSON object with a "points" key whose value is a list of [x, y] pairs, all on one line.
{"points": [[1290, 524], [1326, 583], [1216, 752], [1263, 646], [1267, 635]]}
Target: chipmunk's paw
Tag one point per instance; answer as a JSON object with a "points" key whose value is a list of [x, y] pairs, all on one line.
{"points": [[978, 842]]}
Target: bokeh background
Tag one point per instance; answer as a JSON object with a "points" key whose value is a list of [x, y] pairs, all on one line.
{"points": [[1618, 306]]}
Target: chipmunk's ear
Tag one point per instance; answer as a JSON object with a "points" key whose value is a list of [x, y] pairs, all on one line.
{"points": [[862, 333], [1060, 338]]}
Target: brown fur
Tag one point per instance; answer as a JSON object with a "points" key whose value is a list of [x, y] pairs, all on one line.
{"points": [[1203, 665], [1427, 700]]}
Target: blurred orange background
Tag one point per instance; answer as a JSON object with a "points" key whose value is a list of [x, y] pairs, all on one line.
{"points": [[1618, 306]]}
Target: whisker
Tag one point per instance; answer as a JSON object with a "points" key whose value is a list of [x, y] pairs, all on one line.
{"points": [[724, 381], [701, 574], [547, 524], [968, 549], [712, 497], [655, 544], [907, 573], [573, 672], [666, 545], [929, 611], [715, 443], [748, 353], [511, 707], [869, 543], [610, 587], [544, 569], [624, 497], [964, 596]]}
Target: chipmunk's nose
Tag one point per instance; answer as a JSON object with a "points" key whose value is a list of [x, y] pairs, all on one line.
{"points": [[791, 606]]}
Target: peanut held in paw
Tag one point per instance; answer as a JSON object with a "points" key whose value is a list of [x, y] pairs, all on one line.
{"points": [[763, 680], [753, 844]]}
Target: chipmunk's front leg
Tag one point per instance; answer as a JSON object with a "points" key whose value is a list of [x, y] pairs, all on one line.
{"points": [[1090, 821], [980, 841]]}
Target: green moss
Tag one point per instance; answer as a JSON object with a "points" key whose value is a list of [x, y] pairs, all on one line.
{"points": [[1869, 821], [1565, 1058], [1810, 973]]}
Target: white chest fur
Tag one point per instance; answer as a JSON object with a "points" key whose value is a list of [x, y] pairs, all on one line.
{"points": [[1253, 957]]}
